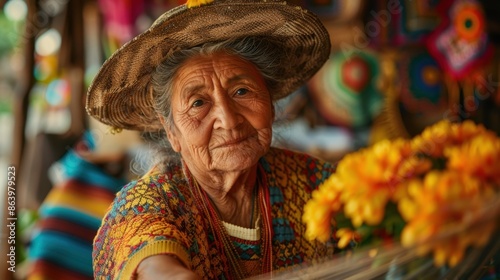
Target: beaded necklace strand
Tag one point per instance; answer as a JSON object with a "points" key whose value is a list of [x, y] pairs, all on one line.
{"points": [[223, 241]]}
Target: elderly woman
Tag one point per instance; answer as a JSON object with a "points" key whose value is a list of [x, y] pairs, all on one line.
{"points": [[228, 206]]}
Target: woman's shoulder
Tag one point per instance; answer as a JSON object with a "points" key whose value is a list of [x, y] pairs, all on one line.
{"points": [[156, 189], [155, 183], [172, 175]]}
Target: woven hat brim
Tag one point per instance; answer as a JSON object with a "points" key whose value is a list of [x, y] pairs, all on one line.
{"points": [[120, 94]]}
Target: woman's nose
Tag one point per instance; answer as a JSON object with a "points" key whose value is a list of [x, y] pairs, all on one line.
{"points": [[226, 113]]}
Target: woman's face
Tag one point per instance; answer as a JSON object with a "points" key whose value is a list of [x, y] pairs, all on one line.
{"points": [[222, 113]]}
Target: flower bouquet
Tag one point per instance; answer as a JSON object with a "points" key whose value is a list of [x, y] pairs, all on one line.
{"points": [[434, 197]]}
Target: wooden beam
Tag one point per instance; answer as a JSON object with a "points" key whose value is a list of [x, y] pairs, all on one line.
{"points": [[76, 67]]}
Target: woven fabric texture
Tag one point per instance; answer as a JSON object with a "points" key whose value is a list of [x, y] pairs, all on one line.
{"points": [[158, 215]]}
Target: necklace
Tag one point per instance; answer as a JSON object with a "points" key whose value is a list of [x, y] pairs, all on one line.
{"points": [[254, 207], [223, 241]]}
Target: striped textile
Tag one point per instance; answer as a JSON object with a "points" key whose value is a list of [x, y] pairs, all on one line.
{"points": [[61, 246]]}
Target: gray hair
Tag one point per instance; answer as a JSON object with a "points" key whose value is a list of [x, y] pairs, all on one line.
{"points": [[262, 52]]}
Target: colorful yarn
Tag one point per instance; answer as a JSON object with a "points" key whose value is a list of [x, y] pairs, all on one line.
{"points": [[423, 90], [460, 44], [345, 89]]}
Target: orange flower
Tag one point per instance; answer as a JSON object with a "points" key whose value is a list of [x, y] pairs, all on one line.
{"points": [[462, 132], [446, 211], [441, 204], [373, 176], [345, 236], [479, 157], [318, 218], [434, 139], [319, 210]]}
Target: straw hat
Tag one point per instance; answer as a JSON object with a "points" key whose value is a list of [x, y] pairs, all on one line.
{"points": [[120, 94]]}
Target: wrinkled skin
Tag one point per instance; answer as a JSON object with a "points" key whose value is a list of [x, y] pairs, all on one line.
{"points": [[222, 124]]}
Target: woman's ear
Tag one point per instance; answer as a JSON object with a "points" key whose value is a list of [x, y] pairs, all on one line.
{"points": [[174, 142]]}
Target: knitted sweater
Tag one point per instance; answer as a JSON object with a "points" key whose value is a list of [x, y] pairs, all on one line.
{"points": [[158, 215]]}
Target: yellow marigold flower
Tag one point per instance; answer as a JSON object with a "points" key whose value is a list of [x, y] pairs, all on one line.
{"points": [[413, 166], [462, 132], [318, 218], [433, 139], [369, 208], [448, 252], [345, 236], [479, 157], [447, 202], [456, 254], [407, 205], [367, 190], [445, 211], [319, 210]]}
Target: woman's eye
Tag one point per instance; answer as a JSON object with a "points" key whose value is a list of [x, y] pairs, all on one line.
{"points": [[197, 103], [241, 91]]}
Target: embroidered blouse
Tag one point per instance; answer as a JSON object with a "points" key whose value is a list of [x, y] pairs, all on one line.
{"points": [[157, 214]]}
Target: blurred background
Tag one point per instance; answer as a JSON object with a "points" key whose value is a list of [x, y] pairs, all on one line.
{"points": [[396, 67]]}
